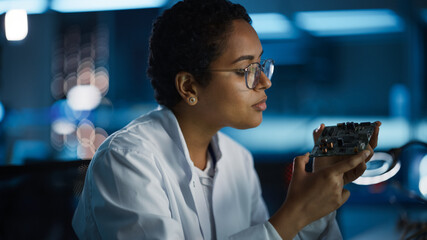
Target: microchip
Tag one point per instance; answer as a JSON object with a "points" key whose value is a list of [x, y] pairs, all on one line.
{"points": [[344, 139]]}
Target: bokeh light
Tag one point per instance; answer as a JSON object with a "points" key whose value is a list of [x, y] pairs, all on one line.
{"points": [[85, 72], [56, 140], [423, 177], [63, 126], [100, 136], [423, 186], [57, 86], [86, 133], [89, 139], [16, 24], [70, 82], [84, 97], [61, 109], [2, 111], [80, 75], [102, 81]]}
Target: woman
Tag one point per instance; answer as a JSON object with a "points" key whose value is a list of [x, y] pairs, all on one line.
{"points": [[171, 175]]}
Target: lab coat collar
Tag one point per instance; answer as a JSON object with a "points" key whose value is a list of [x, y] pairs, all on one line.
{"points": [[171, 125], [215, 148], [169, 122]]}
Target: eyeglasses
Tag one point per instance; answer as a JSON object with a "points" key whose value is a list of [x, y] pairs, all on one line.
{"points": [[253, 72]]}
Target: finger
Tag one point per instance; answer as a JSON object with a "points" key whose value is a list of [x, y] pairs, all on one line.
{"points": [[300, 162], [374, 139], [369, 148], [317, 132], [352, 175], [350, 163], [361, 168], [345, 195]]}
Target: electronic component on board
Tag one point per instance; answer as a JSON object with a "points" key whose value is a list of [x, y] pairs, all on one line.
{"points": [[344, 139]]}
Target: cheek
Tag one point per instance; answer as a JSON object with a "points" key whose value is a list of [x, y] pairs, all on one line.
{"points": [[229, 93], [228, 103], [224, 105], [236, 100], [237, 109]]}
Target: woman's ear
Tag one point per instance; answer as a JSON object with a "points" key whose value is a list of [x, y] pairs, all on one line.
{"points": [[186, 86]]}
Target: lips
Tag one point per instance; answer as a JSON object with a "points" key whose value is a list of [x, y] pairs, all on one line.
{"points": [[261, 105]]}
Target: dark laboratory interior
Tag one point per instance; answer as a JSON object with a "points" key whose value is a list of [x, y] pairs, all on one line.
{"points": [[72, 72]]}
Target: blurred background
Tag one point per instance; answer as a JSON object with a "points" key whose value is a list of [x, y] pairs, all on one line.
{"points": [[72, 72]]}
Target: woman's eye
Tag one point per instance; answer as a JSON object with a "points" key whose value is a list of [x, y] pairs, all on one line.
{"points": [[240, 73]]}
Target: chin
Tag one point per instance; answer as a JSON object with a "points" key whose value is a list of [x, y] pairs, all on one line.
{"points": [[250, 123]]}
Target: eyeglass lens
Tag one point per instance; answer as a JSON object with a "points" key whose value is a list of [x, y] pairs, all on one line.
{"points": [[254, 72]]}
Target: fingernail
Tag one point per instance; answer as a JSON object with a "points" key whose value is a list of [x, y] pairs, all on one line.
{"points": [[366, 153]]}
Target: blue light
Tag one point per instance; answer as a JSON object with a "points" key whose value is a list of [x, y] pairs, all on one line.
{"points": [[424, 14], [421, 131], [279, 134], [29, 149], [272, 26], [61, 110], [349, 22], [422, 185], [379, 169], [31, 6], [399, 101], [67, 6], [2, 111]]}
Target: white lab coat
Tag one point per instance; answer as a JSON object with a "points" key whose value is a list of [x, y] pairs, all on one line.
{"points": [[142, 184]]}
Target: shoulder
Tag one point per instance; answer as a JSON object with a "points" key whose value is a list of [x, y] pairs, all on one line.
{"points": [[146, 140], [131, 150], [139, 134]]}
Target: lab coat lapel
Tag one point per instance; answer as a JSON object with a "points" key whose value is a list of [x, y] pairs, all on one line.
{"points": [[170, 124]]}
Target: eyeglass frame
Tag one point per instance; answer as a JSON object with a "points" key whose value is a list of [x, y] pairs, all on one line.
{"points": [[246, 70]]}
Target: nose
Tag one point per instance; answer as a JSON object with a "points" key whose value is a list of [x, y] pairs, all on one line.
{"points": [[264, 83]]}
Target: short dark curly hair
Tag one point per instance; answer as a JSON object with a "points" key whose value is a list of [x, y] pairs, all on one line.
{"points": [[188, 37]]}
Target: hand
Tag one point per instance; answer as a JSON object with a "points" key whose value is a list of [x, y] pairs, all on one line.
{"points": [[322, 162], [314, 195]]}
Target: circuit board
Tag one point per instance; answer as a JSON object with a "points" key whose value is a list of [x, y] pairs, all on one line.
{"points": [[344, 139]]}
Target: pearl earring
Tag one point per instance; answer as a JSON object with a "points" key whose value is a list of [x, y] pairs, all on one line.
{"points": [[192, 100]]}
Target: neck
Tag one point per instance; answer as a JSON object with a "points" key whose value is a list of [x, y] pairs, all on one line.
{"points": [[197, 135]]}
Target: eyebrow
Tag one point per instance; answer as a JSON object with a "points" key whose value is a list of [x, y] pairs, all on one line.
{"points": [[246, 57]]}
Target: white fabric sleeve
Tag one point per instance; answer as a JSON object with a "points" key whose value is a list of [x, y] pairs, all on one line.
{"points": [[324, 228], [260, 228], [264, 231], [127, 198]]}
